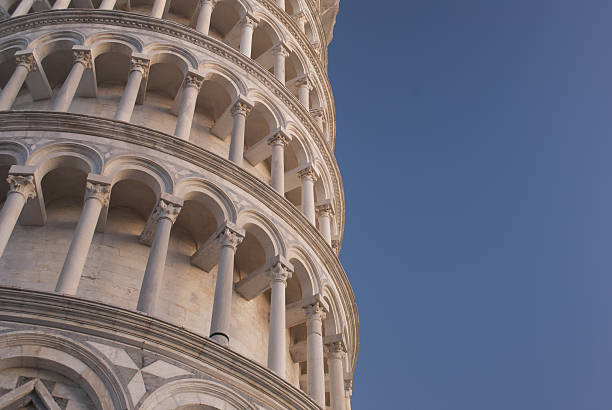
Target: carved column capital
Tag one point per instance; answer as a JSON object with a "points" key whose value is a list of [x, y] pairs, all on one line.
{"points": [[304, 81], [167, 210], [315, 311], [99, 191], [27, 60], [250, 21], [193, 79], [211, 3], [308, 173], [140, 64], [230, 237], [241, 107], [83, 57], [348, 387], [336, 349], [23, 185], [281, 49], [325, 208], [279, 138], [281, 271], [316, 113]]}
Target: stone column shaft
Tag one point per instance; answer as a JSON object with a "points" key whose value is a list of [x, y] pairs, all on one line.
{"points": [[158, 9], [25, 65], [335, 358], [240, 111], [277, 172], [107, 4], [277, 342], [246, 38], [21, 189], [325, 211], [314, 355], [165, 213], [280, 54], [23, 8], [193, 82], [82, 60], [308, 177], [222, 304], [206, 9], [303, 85], [96, 197], [318, 117], [126, 106]]}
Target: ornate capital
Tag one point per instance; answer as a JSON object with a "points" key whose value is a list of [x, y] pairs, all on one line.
{"points": [[279, 139], [140, 64], [250, 21], [280, 49], [315, 311], [336, 349], [167, 210], [280, 272], [304, 81], [83, 57], [335, 244], [316, 113], [211, 3], [98, 191], [348, 387], [308, 173], [193, 80], [27, 60], [241, 107], [230, 237], [325, 208], [22, 184]]}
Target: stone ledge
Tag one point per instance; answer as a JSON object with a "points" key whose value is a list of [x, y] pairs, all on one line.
{"points": [[73, 314]]}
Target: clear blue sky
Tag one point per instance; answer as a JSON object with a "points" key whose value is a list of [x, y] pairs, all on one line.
{"points": [[475, 143]]}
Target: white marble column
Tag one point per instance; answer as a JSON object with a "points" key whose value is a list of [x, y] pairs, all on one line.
{"points": [[304, 86], [97, 193], [60, 4], [193, 83], [277, 172], [230, 238], [139, 67], [277, 343], [280, 52], [107, 4], [249, 23], [82, 60], [317, 114], [206, 9], [26, 63], [335, 357], [308, 177], [348, 392], [23, 8], [325, 210], [315, 313], [21, 188], [240, 111], [158, 8], [165, 213]]}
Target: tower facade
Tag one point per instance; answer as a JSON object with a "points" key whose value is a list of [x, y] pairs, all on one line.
{"points": [[173, 209]]}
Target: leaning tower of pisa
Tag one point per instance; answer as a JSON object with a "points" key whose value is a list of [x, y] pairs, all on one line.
{"points": [[173, 210]]}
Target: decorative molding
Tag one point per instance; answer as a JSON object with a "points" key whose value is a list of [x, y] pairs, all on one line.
{"points": [[140, 331], [24, 121]]}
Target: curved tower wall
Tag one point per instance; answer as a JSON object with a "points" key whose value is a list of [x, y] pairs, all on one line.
{"points": [[173, 209]]}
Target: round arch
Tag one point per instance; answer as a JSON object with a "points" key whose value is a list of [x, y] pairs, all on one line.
{"points": [[148, 172], [67, 154], [195, 188]]}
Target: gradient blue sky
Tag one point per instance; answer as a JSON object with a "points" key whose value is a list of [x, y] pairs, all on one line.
{"points": [[475, 142]]}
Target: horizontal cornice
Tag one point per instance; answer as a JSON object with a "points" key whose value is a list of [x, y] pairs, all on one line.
{"points": [[137, 21], [141, 331], [24, 121]]}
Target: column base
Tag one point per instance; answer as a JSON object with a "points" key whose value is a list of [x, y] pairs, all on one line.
{"points": [[220, 338]]}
